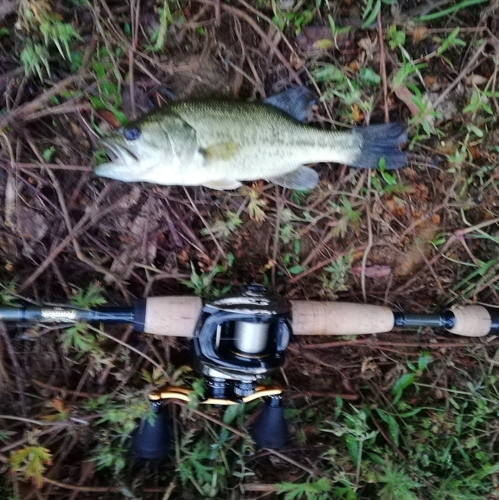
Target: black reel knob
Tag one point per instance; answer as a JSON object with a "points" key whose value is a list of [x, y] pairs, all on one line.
{"points": [[270, 429], [151, 441]]}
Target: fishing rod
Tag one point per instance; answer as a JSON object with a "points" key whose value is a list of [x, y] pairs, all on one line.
{"points": [[240, 339]]}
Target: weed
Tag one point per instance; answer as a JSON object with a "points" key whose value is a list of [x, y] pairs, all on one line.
{"points": [[313, 490], [42, 30], [208, 459], [350, 217], [347, 92], [337, 280], [298, 19], [32, 461], [408, 379], [119, 419], [7, 295], [223, 229], [397, 484], [202, 284], [91, 297]]}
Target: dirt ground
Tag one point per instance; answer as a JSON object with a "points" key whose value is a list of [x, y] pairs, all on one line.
{"points": [[421, 239]]}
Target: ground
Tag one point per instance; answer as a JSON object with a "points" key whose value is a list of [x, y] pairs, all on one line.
{"points": [[404, 415]]}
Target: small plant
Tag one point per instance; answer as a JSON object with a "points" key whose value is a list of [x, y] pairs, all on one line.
{"points": [[91, 297], [313, 490], [338, 276], [32, 462], [350, 217], [42, 30], [223, 229], [355, 431], [202, 284], [409, 378], [119, 419]]}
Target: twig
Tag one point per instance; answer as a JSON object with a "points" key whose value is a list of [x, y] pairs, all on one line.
{"points": [[26, 109], [15, 365], [93, 215], [35, 422], [128, 346], [291, 461], [52, 166], [275, 250], [382, 67], [369, 241], [324, 263], [242, 15], [461, 74], [206, 225]]}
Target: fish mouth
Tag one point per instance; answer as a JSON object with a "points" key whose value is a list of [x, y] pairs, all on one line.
{"points": [[119, 152], [123, 162]]}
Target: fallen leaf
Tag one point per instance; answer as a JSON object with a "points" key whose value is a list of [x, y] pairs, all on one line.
{"points": [[419, 33], [375, 271], [419, 249], [405, 95], [474, 79]]}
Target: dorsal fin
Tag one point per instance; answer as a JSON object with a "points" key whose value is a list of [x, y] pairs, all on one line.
{"points": [[296, 101]]}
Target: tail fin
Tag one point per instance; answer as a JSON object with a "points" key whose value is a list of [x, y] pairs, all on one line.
{"points": [[381, 141]]}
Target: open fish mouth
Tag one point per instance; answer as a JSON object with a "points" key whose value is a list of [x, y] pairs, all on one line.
{"points": [[119, 153], [123, 162]]}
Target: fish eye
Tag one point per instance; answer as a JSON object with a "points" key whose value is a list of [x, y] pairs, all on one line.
{"points": [[132, 133]]}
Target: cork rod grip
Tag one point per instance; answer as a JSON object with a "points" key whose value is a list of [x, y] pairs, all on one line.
{"points": [[339, 318], [172, 316], [471, 321]]}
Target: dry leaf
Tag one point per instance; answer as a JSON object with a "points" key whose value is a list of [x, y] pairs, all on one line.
{"points": [[372, 271], [419, 249], [405, 95], [369, 46]]}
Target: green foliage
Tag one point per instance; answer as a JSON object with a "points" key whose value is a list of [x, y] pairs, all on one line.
{"points": [[223, 229], [202, 283], [352, 93], [78, 338], [408, 379], [396, 38], [296, 18], [91, 297], [7, 295], [42, 31], [118, 419], [211, 460], [397, 485], [32, 461], [337, 278], [313, 490]]}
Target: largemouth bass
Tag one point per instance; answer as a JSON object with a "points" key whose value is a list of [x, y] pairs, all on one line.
{"points": [[219, 143]]}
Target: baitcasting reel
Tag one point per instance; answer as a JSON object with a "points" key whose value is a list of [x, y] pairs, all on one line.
{"points": [[238, 341]]}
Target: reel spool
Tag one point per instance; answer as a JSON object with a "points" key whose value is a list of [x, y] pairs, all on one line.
{"points": [[238, 340]]}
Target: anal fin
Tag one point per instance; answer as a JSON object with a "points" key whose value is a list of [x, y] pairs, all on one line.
{"points": [[301, 178], [223, 184]]}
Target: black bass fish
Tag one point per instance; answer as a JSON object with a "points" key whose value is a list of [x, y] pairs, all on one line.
{"points": [[219, 143]]}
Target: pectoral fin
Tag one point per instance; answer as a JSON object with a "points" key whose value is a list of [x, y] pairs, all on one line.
{"points": [[223, 184], [222, 151], [301, 178]]}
